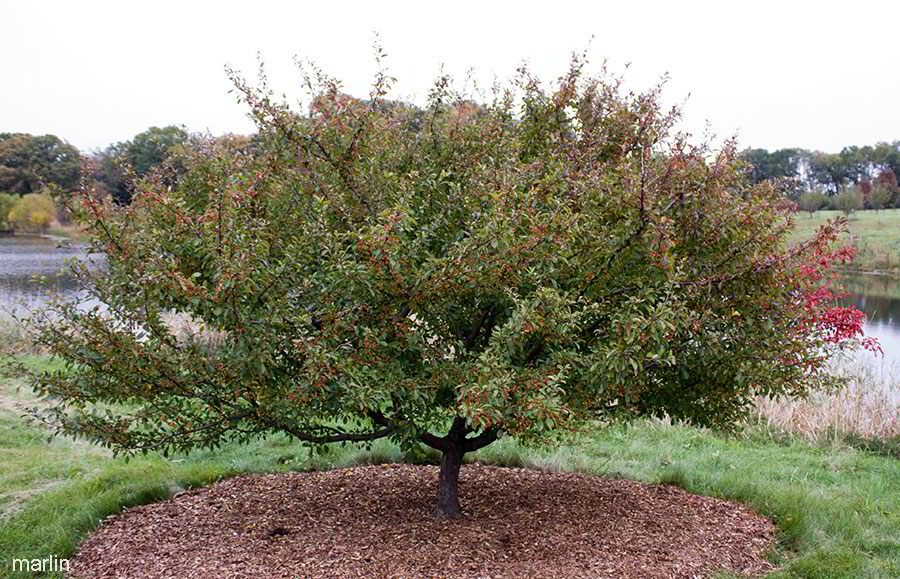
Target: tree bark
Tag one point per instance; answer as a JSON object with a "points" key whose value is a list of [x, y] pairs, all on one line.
{"points": [[453, 446], [448, 483]]}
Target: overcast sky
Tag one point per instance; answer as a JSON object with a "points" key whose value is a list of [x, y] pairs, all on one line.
{"points": [[783, 73]]}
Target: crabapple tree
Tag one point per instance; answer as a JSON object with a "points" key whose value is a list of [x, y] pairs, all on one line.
{"points": [[528, 262]]}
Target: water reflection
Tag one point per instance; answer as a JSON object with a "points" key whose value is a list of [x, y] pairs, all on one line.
{"points": [[879, 297]]}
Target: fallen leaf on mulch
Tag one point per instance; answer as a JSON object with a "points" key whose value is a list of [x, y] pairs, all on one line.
{"points": [[379, 521]]}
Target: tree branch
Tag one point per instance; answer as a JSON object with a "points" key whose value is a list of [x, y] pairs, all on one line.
{"points": [[433, 441], [455, 437], [487, 318], [342, 437], [480, 441]]}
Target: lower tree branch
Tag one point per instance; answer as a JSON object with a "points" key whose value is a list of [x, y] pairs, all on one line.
{"points": [[433, 441], [456, 438], [337, 437], [345, 437], [485, 438]]}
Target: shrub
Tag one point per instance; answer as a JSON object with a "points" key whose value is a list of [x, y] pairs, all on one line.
{"points": [[7, 202], [32, 212], [849, 200], [880, 197], [812, 201]]}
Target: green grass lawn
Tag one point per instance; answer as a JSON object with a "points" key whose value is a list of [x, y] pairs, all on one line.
{"points": [[875, 235], [837, 508]]}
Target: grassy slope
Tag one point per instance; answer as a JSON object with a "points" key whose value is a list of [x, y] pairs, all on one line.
{"points": [[876, 236], [838, 509]]}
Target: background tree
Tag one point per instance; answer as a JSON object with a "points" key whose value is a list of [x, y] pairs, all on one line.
{"points": [[880, 197], [117, 166], [812, 201], [886, 181], [849, 200], [828, 170], [107, 173], [33, 212], [783, 168], [28, 163], [855, 163], [558, 260], [6, 203], [150, 148], [886, 157], [767, 166]]}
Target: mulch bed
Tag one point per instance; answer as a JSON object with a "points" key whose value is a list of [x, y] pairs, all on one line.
{"points": [[379, 521]]}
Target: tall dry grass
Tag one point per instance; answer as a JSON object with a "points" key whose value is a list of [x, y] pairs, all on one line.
{"points": [[868, 406], [14, 339], [188, 329]]}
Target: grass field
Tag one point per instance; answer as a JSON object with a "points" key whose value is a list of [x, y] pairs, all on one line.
{"points": [[874, 234], [837, 507]]}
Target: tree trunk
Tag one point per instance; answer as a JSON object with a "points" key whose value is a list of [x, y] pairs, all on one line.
{"points": [[448, 483], [453, 447]]}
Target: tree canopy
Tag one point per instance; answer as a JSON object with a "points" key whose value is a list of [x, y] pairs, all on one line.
{"points": [[556, 256], [117, 166], [29, 163]]}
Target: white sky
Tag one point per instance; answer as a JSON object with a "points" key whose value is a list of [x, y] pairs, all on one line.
{"points": [[818, 75]]}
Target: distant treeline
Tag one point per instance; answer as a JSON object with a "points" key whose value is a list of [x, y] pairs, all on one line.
{"points": [[30, 164], [855, 178], [33, 169]]}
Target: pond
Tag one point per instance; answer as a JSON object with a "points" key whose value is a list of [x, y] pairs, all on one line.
{"points": [[31, 266], [879, 297], [23, 259]]}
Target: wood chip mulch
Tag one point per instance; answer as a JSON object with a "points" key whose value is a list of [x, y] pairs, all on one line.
{"points": [[378, 521]]}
